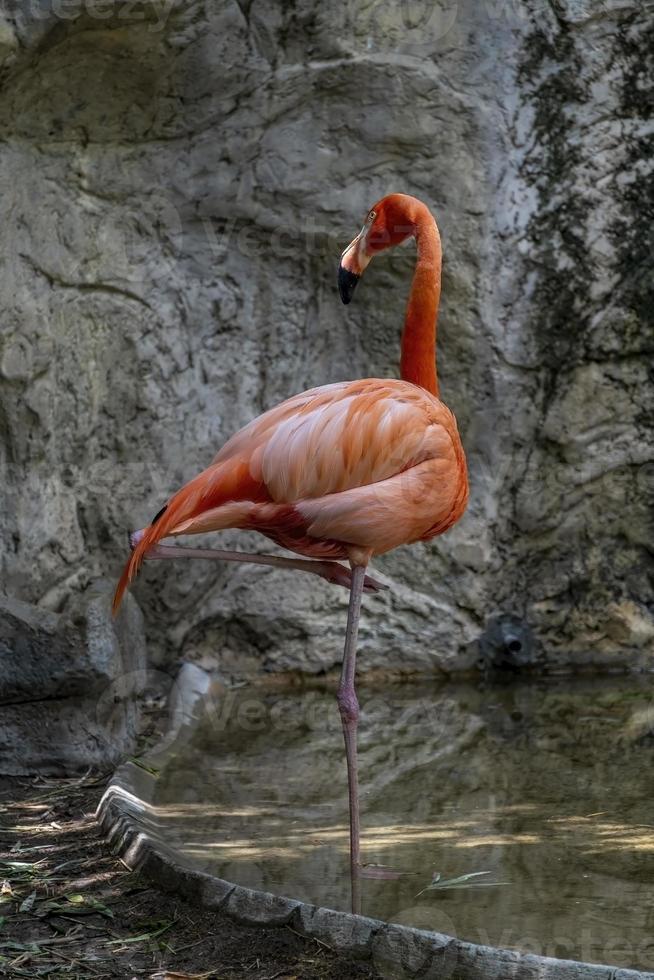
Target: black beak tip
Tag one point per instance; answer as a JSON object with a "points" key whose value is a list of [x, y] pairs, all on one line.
{"points": [[347, 282]]}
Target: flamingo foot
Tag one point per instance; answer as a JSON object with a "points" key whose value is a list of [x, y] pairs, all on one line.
{"points": [[339, 575]]}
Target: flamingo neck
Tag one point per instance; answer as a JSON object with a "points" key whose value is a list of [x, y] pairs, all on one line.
{"points": [[418, 359]]}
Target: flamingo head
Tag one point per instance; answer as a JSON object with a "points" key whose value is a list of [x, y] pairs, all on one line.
{"points": [[387, 223]]}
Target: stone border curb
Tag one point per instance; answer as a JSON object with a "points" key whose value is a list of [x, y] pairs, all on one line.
{"points": [[397, 952]]}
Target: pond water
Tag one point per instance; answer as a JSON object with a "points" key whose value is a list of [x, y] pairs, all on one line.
{"points": [[546, 786]]}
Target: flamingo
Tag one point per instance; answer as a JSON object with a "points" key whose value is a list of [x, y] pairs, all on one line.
{"points": [[345, 471]]}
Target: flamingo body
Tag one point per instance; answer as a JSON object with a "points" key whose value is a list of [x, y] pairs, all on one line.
{"points": [[359, 465]]}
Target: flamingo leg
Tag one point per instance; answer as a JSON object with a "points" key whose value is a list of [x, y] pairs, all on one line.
{"points": [[348, 705], [330, 570]]}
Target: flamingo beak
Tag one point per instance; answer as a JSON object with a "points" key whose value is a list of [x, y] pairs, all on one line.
{"points": [[347, 282], [353, 262]]}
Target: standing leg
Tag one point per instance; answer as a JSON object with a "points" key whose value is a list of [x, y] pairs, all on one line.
{"points": [[349, 709]]}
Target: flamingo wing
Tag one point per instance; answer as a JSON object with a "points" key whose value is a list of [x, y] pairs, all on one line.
{"points": [[352, 463], [341, 436], [370, 464]]}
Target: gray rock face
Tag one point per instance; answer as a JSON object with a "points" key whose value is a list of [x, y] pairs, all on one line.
{"points": [[68, 684], [179, 180]]}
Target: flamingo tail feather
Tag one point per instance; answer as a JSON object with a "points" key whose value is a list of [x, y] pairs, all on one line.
{"points": [[210, 489]]}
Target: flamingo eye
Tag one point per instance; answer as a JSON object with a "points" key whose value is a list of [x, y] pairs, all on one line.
{"points": [[372, 215]]}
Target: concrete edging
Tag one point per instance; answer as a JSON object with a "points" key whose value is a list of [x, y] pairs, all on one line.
{"points": [[397, 952]]}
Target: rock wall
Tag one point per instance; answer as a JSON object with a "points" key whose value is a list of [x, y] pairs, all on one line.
{"points": [[69, 684], [178, 179]]}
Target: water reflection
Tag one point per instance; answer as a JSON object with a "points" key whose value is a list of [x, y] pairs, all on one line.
{"points": [[547, 786]]}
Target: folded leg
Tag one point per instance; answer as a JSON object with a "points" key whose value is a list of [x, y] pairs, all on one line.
{"points": [[331, 571]]}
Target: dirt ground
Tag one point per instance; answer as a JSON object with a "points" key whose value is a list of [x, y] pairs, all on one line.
{"points": [[70, 909]]}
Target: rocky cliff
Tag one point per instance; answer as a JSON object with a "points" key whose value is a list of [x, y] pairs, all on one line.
{"points": [[177, 180]]}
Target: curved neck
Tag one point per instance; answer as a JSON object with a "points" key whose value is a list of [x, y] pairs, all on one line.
{"points": [[418, 359]]}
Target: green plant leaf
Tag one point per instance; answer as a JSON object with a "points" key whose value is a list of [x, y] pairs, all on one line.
{"points": [[76, 904], [461, 881], [142, 765], [27, 904], [144, 937]]}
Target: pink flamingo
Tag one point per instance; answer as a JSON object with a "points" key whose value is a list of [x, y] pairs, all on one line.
{"points": [[344, 471]]}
